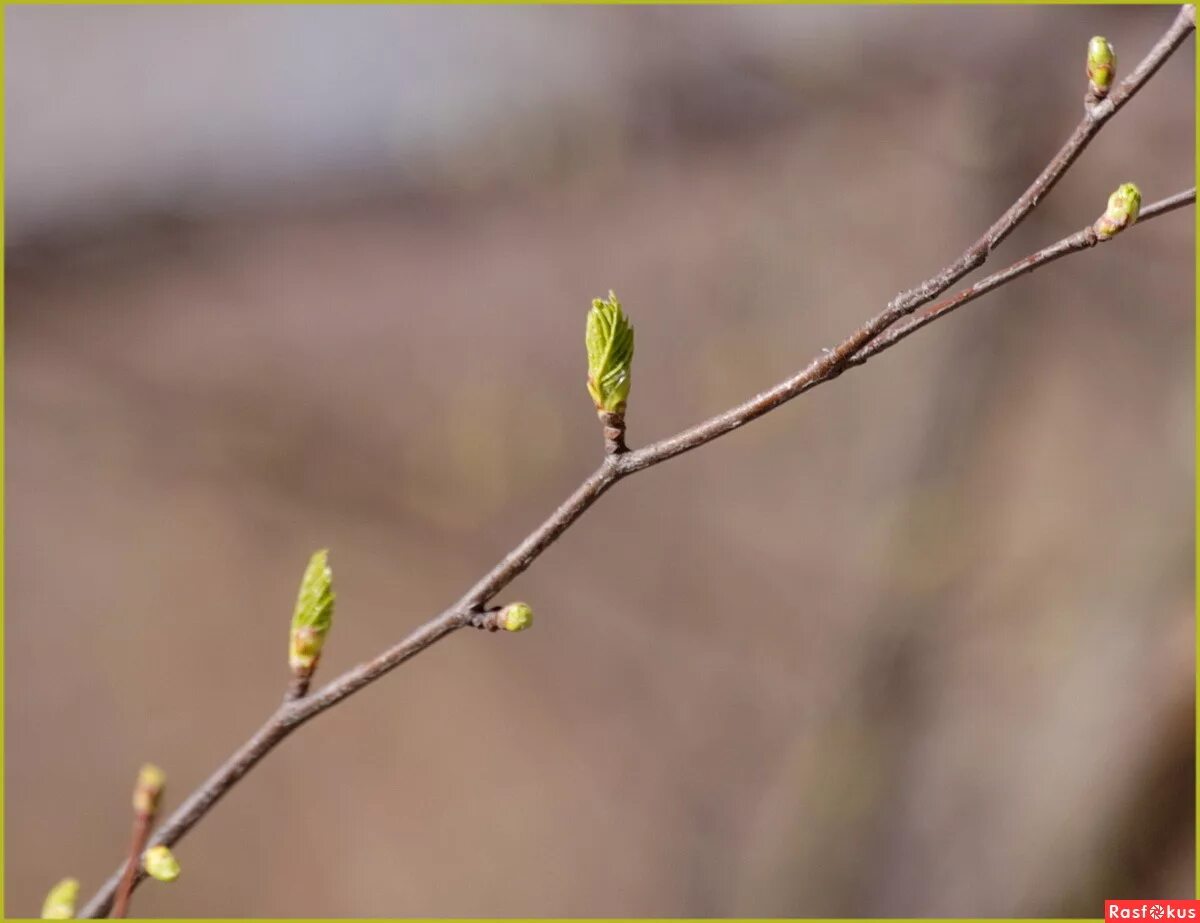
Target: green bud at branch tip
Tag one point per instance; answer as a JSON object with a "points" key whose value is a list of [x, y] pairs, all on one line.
{"points": [[1101, 66], [516, 617], [149, 789], [1123, 208], [313, 616], [609, 341], [60, 902], [160, 863]]}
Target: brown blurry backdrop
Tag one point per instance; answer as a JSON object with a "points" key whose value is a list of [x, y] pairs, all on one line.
{"points": [[920, 643]]}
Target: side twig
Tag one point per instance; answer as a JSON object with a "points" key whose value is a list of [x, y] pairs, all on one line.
{"points": [[146, 796], [1081, 240], [854, 350]]}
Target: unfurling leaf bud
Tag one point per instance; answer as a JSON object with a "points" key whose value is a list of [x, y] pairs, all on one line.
{"points": [[516, 617], [313, 616], [160, 863], [1101, 66], [149, 789], [60, 902], [1122, 211], [609, 339]]}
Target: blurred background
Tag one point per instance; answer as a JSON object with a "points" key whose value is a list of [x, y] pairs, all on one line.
{"points": [[920, 643]]}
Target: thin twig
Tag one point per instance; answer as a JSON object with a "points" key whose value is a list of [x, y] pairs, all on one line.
{"points": [[146, 795], [137, 845], [831, 363], [1081, 240]]}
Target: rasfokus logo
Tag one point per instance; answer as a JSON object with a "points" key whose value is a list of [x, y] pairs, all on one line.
{"points": [[1151, 910]]}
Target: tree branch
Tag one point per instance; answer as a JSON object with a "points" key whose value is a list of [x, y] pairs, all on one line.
{"points": [[831, 362], [146, 796], [854, 350], [1080, 240]]}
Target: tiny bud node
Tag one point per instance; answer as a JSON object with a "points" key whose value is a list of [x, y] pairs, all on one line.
{"points": [[60, 902], [160, 863], [516, 617], [149, 789], [513, 617], [1123, 208]]}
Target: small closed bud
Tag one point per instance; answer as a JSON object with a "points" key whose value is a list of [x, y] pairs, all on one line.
{"points": [[513, 617], [313, 615], [160, 863], [60, 902], [1123, 208], [609, 340], [149, 789], [1101, 66], [516, 617]]}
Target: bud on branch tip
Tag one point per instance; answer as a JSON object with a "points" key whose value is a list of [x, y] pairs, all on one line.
{"points": [[60, 902], [149, 789], [160, 863], [609, 340], [1123, 208], [1101, 66], [313, 616]]}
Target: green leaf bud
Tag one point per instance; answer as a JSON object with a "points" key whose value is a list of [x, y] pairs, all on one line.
{"points": [[1101, 65], [1123, 208], [149, 789], [516, 617], [160, 863], [60, 902], [313, 615], [609, 340]]}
